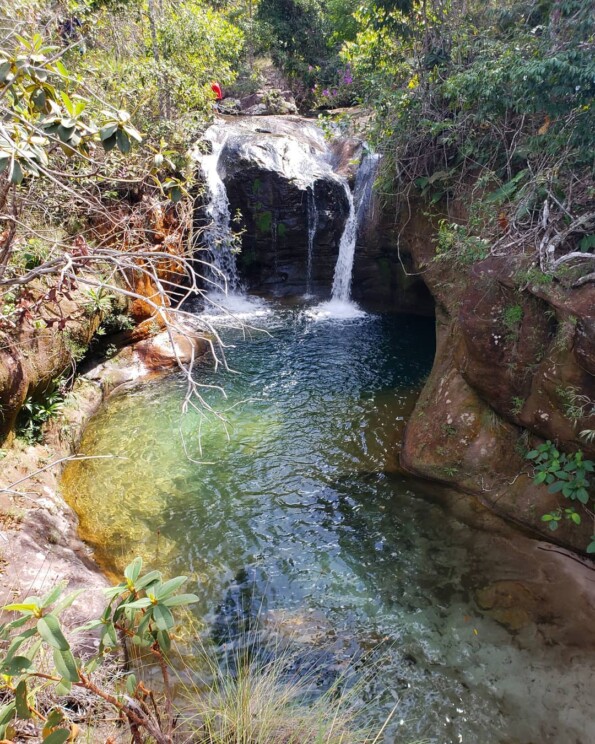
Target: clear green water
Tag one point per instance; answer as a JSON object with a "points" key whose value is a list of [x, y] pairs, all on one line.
{"points": [[294, 499]]}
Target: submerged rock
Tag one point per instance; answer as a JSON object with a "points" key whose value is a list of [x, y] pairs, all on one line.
{"points": [[147, 357]]}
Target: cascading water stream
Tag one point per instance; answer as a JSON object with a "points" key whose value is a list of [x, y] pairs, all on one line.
{"points": [[312, 213], [340, 305], [364, 183], [358, 204], [344, 267], [218, 235]]}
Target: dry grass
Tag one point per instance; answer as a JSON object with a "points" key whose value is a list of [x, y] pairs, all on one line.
{"points": [[261, 696]]}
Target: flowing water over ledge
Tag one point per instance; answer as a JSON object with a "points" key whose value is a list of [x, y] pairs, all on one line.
{"points": [[294, 499]]}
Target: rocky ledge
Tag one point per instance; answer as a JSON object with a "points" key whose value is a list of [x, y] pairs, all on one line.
{"points": [[39, 542], [514, 367]]}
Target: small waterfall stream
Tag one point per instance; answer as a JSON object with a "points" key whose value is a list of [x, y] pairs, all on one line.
{"points": [[312, 228], [359, 202], [343, 270], [218, 235], [364, 184]]}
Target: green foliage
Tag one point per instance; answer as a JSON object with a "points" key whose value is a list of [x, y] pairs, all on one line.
{"points": [[534, 276], [139, 609], [456, 244], [42, 110], [517, 405], [566, 474], [304, 38], [512, 317], [294, 32], [553, 518], [485, 101], [575, 405], [37, 410], [98, 302], [76, 349], [115, 321], [166, 76], [562, 472]]}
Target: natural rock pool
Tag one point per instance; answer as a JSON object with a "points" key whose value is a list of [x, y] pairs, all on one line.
{"points": [[484, 634]]}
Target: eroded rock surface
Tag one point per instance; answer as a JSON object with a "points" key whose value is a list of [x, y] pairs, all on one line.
{"points": [[513, 367]]}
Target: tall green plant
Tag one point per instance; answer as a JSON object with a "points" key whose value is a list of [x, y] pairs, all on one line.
{"points": [[139, 612]]}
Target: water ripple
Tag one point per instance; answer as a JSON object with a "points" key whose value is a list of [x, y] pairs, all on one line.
{"points": [[296, 500]]}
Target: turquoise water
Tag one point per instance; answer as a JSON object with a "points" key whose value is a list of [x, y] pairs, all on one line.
{"points": [[292, 499]]}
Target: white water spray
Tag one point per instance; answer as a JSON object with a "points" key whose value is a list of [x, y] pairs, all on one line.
{"points": [[340, 306], [358, 205], [344, 267], [218, 235]]}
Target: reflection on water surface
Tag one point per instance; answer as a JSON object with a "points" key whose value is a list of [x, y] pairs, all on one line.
{"points": [[294, 495]]}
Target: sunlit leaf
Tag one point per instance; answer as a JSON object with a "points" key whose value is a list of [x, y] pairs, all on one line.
{"points": [[66, 665], [49, 629]]}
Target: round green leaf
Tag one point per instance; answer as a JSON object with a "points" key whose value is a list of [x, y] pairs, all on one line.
{"points": [[16, 665]]}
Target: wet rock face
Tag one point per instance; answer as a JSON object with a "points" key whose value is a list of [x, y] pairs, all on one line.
{"points": [[274, 253], [271, 169]]}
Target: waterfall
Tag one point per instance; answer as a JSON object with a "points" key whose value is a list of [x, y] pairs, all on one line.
{"points": [[344, 266], [312, 213], [218, 235], [358, 204]]}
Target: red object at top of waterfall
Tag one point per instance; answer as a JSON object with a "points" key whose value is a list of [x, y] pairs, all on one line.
{"points": [[216, 88]]}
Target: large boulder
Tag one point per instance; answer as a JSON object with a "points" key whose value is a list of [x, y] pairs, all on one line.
{"points": [[280, 183]]}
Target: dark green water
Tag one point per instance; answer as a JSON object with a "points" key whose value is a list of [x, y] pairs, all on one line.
{"points": [[293, 498]]}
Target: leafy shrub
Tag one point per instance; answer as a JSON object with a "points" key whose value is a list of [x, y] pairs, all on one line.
{"points": [[244, 698], [37, 410], [456, 244], [488, 103], [567, 474], [139, 610]]}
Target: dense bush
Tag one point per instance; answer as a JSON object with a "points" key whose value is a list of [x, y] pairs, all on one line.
{"points": [[498, 96]]}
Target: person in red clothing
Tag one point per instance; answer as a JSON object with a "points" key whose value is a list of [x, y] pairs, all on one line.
{"points": [[216, 88]]}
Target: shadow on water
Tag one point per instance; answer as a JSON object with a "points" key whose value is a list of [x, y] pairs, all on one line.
{"points": [[291, 529]]}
